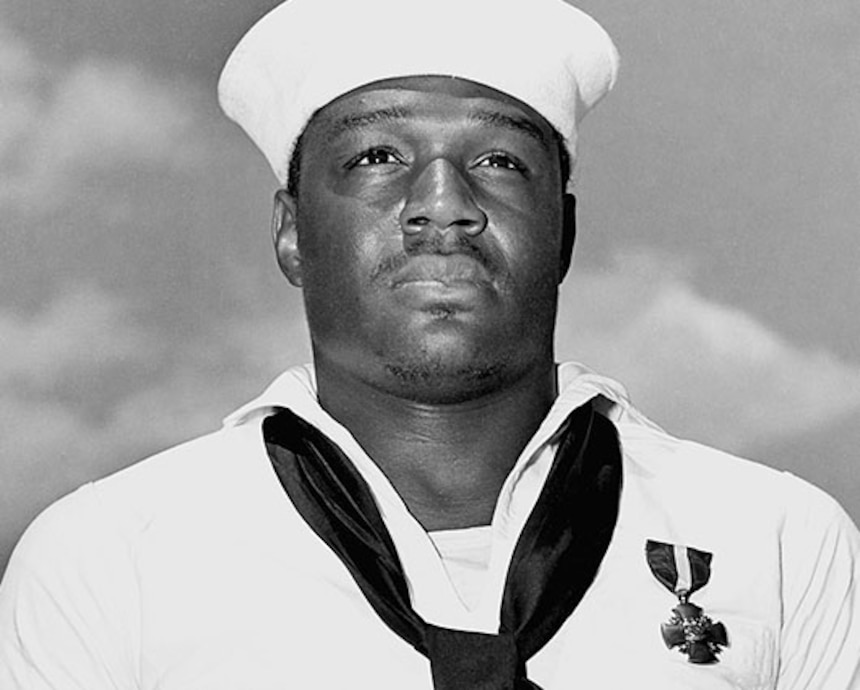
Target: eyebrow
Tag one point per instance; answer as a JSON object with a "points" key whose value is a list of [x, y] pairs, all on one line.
{"points": [[491, 118], [494, 118], [354, 121]]}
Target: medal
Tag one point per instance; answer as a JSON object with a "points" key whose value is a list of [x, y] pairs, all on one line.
{"points": [[683, 571]]}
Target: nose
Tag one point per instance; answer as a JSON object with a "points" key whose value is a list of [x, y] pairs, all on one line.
{"points": [[441, 199]]}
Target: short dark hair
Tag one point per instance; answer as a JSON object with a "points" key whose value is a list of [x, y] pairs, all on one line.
{"points": [[295, 165]]}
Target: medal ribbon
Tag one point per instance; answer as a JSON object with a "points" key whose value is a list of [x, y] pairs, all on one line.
{"points": [[680, 569]]}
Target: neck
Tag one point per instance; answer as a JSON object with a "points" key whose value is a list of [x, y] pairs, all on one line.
{"points": [[447, 461]]}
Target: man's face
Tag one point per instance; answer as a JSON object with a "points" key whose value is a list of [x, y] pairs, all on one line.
{"points": [[428, 237]]}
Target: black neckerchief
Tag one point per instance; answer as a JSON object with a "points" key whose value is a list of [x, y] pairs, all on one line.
{"points": [[555, 560]]}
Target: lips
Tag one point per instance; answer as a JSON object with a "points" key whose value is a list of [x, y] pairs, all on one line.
{"points": [[446, 271]]}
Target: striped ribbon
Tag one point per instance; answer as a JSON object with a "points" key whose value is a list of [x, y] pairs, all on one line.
{"points": [[681, 569]]}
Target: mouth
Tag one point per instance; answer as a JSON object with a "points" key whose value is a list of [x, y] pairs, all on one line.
{"points": [[455, 272]]}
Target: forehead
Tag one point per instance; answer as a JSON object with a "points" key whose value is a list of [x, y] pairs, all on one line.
{"points": [[436, 96]]}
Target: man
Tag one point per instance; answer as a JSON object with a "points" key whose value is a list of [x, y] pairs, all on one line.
{"points": [[434, 503]]}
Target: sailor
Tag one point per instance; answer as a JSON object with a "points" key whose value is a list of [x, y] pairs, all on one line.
{"points": [[434, 502]]}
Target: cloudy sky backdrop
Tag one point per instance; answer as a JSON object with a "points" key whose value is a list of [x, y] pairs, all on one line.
{"points": [[717, 272]]}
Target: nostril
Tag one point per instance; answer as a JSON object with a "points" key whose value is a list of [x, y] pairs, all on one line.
{"points": [[472, 226], [468, 226], [415, 224]]}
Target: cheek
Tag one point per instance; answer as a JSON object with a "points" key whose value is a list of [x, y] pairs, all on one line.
{"points": [[532, 245], [341, 243]]}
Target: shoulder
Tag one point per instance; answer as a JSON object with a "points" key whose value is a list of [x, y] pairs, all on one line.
{"points": [[112, 514], [70, 599], [695, 478], [165, 483], [682, 492]]}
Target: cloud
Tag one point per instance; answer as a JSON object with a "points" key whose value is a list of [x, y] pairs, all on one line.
{"points": [[704, 370], [108, 113], [49, 360], [61, 123], [19, 79], [82, 329], [70, 362]]}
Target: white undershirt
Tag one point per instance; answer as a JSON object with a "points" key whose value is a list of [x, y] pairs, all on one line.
{"points": [[465, 554]]}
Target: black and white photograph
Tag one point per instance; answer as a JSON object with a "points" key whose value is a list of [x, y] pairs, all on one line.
{"points": [[429, 344]]}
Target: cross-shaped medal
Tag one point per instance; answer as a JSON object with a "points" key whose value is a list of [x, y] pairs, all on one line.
{"points": [[694, 634], [683, 570]]}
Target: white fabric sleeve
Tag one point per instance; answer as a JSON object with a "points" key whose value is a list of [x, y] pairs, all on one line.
{"points": [[69, 614], [821, 594]]}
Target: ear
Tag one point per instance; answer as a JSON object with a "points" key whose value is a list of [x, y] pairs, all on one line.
{"points": [[568, 233], [286, 237]]}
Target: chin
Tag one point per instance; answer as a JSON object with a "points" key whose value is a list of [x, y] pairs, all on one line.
{"points": [[453, 361], [446, 378], [433, 384]]}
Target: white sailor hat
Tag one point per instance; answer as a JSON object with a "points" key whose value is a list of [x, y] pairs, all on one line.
{"points": [[305, 53]]}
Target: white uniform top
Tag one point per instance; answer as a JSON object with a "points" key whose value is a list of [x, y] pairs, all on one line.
{"points": [[192, 570]]}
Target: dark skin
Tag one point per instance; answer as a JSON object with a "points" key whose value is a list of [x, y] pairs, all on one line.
{"points": [[429, 235]]}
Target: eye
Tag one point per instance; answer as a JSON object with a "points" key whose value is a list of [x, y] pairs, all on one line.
{"points": [[502, 161], [375, 156]]}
